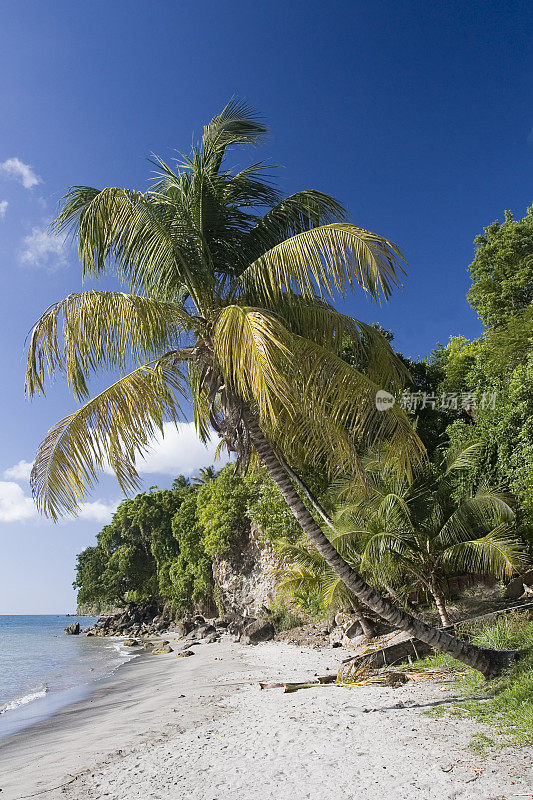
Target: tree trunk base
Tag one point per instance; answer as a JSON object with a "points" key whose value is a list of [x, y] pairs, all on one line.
{"points": [[498, 661]]}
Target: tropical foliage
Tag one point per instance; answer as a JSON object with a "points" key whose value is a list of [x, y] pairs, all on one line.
{"points": [[416, 535], [229, 308]]}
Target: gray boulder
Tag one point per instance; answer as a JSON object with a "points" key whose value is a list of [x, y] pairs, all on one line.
{"points": [[184, 627], [186, 653], [203, 631], [73, 630], [516, 588], [261, 630], [161, 649]]}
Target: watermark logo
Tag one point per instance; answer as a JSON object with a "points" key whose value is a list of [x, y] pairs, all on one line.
{"points": [[468, 402], [384, 400]]}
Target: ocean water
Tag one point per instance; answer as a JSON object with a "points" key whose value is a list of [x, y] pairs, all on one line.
{"points": [[43, 669]]}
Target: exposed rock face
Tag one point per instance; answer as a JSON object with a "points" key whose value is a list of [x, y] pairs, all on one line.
{"points": [[73, 630], [246, 583], [244, 575]]}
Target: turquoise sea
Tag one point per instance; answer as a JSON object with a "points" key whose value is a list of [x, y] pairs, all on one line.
{"points": [[42, 669]]}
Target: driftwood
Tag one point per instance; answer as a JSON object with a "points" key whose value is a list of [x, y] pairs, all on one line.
{"points": [[292, 687]]}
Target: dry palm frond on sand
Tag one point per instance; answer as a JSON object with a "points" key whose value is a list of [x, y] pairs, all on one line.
{"points": [[360, 674]]}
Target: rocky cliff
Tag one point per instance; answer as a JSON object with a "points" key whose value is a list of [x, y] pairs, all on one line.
{"points": [[244, 574]]}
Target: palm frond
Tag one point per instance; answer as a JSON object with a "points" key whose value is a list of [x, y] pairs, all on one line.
{"points": [[317, 320], [200, 402], [251, 347], [329, 388], [110, 430], [144, 241], [476, 514], [498, 553], [100, 329], [236, 124], [335, 594], [289, 216], [464, 459], [330, 258]]}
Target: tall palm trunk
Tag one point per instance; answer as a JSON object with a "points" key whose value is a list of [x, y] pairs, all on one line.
{"points": [[489, 662], [440, 603], [366, 625]]}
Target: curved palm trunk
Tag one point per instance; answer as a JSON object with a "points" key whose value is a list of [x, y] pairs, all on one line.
{"points": [[366, 625], [489, 662]]}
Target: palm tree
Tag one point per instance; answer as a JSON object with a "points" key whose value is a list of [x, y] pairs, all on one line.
{"points": [[417, 534], [227, 304], [205, 474], [181, 482]]}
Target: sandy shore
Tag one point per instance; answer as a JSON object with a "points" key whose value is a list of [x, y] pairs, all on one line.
{"points": [[200, 727]]}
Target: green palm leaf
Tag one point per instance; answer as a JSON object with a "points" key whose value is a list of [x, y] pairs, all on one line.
{"points": [[101, 329], [237, 124], [110, 430], [153, 249], [330, 258], [498, 553]]}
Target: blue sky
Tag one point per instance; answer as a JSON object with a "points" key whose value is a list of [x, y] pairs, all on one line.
{"points": [[417, 116]]}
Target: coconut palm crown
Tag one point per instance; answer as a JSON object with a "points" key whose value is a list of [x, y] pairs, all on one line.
{"points": [[227, 305]]}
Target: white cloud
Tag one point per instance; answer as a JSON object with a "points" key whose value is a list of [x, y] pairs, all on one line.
{"points": [[3, 208], [97, 511], [179, 452], [41, 248], [19, 171], [14, 505], [19, 472]]}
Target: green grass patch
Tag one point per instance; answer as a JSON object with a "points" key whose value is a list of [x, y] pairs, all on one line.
{"points": [[508, 700], [481, 745]]}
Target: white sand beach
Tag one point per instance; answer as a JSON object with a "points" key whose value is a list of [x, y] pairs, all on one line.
{"points": [[166, 728]]}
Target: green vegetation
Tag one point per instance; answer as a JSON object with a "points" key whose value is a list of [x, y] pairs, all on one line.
{"points": [[413, 536], [508, 703], [161, 544], [497, 368]]}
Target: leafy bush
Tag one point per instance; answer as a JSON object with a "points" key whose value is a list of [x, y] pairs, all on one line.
{"points": [[284, 620], [221, 506]]}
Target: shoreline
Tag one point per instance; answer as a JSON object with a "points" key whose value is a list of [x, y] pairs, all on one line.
{"points": [[167, 727], [24, 711]]}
